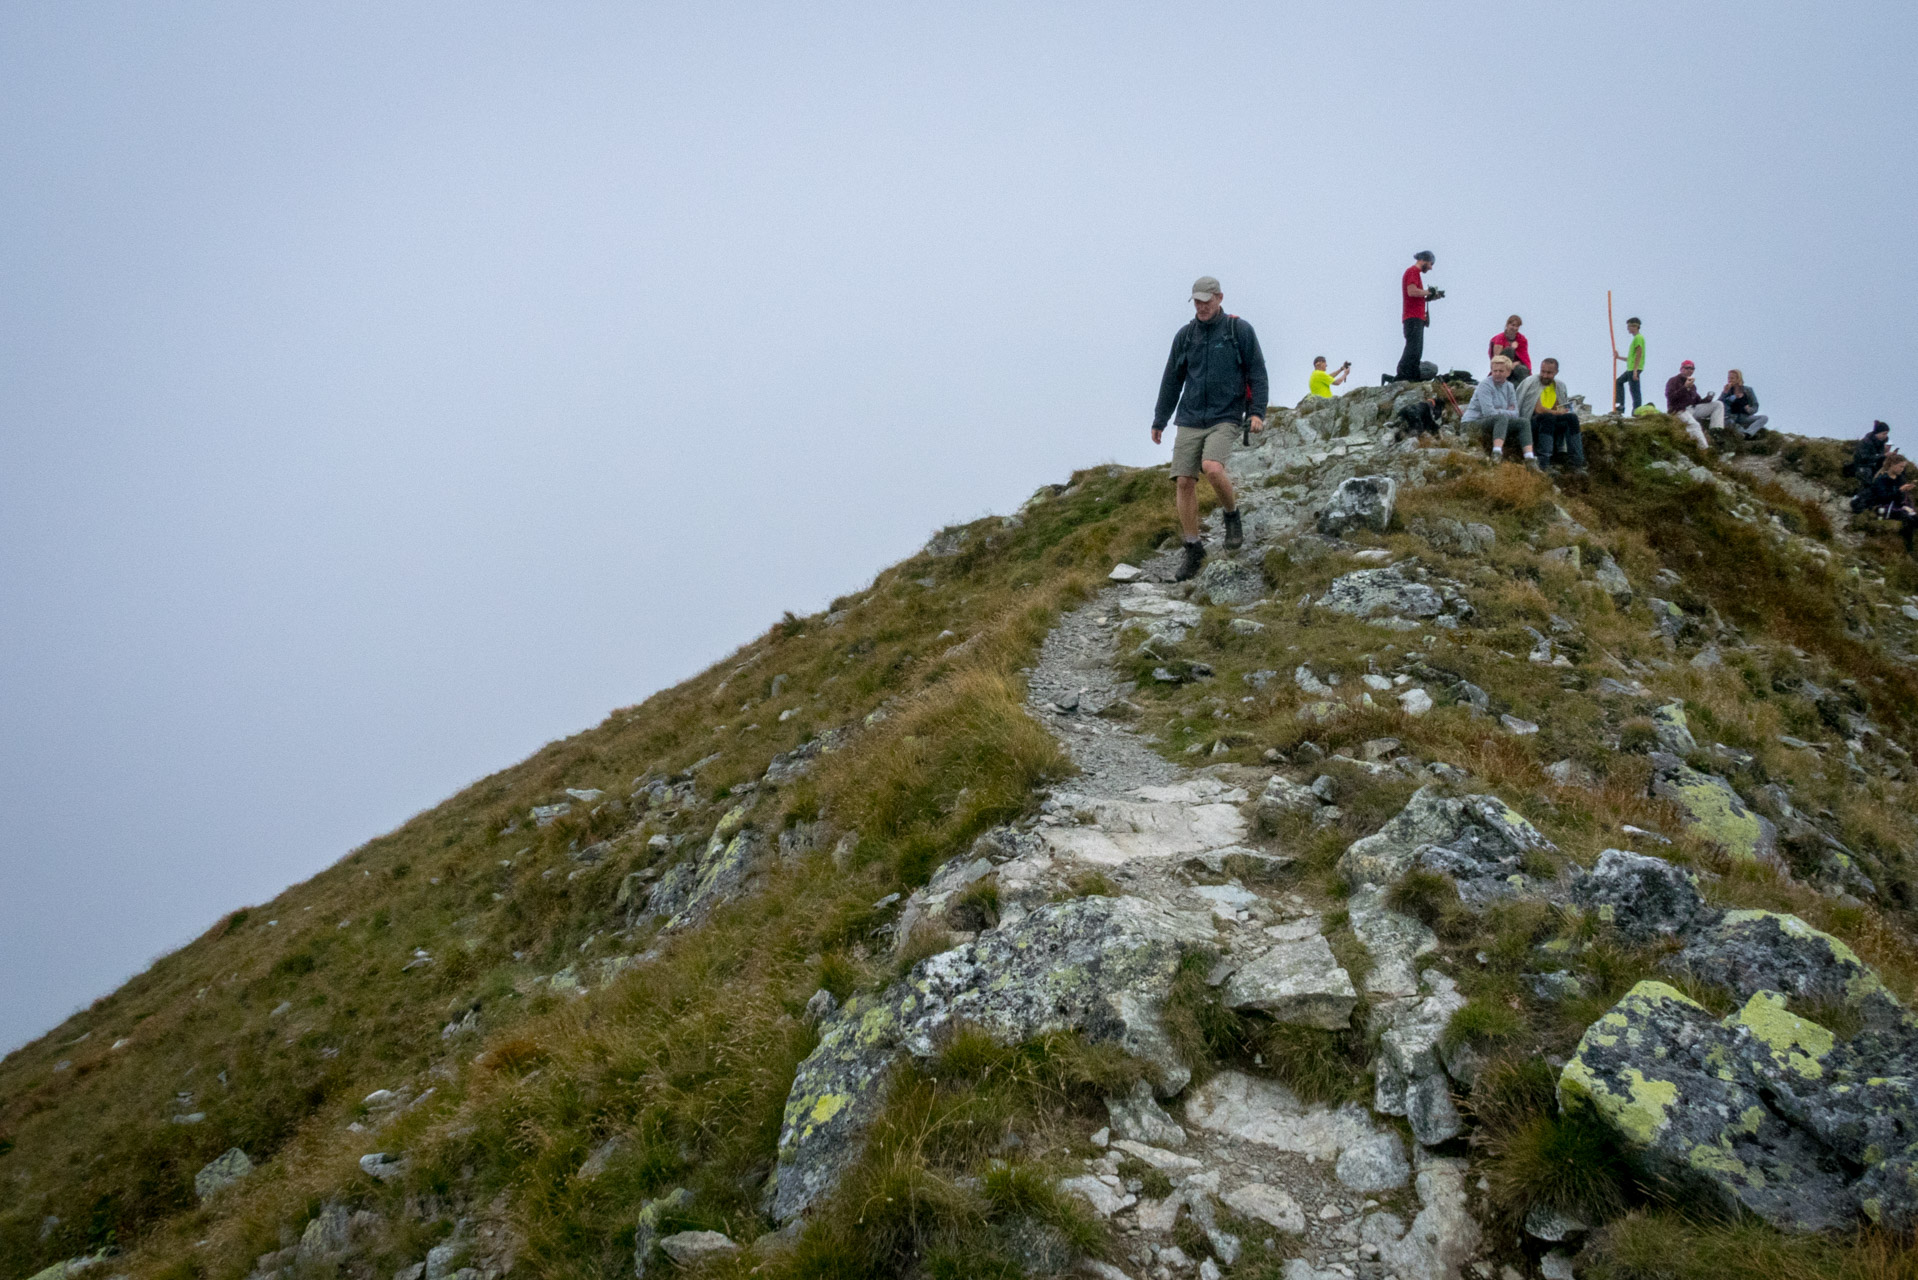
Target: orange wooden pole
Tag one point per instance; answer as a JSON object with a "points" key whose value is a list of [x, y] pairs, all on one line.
{"points": [[1618, 400]]}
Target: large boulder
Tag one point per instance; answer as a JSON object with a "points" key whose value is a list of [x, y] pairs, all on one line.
{"points": [[1483, 830], [1687, 1093], [1363, 502], [1644, 898], [1096, 965], [1712, 810], [1753, 951]]}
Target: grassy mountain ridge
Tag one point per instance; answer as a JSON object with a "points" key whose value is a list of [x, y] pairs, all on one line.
{"points": [[490, 960]]}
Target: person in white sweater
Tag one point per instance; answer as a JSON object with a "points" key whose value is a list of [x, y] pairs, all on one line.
{"points": [[1495, 403]]}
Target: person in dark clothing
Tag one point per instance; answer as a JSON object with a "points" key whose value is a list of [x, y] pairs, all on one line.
{"points": [[1418, 417], [1215, 376], [1413, 296], [1888, 496], [1869, 454]]}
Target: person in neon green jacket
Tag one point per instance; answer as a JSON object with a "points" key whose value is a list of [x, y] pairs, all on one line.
{"points": [[1634, 366]]}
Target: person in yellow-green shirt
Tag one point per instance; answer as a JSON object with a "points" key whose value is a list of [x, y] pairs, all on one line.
{"points": [[1322, 381], [1555, 430], [1634, 367]]}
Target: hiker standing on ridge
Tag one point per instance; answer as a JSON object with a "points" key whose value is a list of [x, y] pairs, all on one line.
{"points": [[1216, 377], [1413, 295], [1634, 368]]}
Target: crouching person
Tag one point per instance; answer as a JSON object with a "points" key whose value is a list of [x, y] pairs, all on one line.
{"points": [[1495, 403], [1555, 430]]}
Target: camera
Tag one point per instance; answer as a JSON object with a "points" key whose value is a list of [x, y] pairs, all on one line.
{"points": [[1432, 295]]}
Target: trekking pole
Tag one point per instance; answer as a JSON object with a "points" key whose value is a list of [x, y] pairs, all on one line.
{"points": [[1618, 392], [1446, 387]]}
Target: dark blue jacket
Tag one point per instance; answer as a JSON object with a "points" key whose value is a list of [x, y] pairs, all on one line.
{"points": [[1212, 364]]}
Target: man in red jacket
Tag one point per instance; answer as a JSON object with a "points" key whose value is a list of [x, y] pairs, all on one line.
{"points": [[1511, 344]]}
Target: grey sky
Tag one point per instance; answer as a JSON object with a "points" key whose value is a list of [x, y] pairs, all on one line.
{"points": [[387, 389]]}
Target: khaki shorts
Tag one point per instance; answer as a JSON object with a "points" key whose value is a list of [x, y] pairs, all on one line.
{"points": [[1194, 445]]}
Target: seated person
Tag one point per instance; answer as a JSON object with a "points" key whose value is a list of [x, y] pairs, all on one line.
{"points": [[1888, 496], [1555, 430], [1323, 382], [1417, 417], [1741, 405], [1511, 344], [1495, 403], [1869, 454], [1683, 402]]}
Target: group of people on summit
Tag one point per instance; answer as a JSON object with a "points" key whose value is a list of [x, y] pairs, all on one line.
{"points": [[1884, 482], [1215, 379]]}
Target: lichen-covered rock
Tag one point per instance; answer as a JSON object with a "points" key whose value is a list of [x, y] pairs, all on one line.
{"points": [[1229, 581], [1712, 810], [693, 1248], [688, 892], [220, 1173], [1298, 982], [1612, 578], [1363, 502], [1672, 729], [1097, 965], [1483, 829], [1680, 1087], [1382, 594], [1644, 898], [1753, 951], [1447, 534], [646, 1234]]}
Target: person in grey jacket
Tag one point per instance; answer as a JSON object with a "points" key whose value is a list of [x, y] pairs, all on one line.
{"points": [[1741, 406], [1216, 377], [1555, 430], [1495, 403]]}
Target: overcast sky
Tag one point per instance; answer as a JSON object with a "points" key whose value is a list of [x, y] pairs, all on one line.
{"points": [[387, 389]]}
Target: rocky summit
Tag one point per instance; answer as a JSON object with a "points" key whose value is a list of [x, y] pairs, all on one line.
{"points": [[1481, 873]]}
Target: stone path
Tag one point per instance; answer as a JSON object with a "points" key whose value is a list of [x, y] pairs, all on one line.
{"points": [[1334, 1187]]}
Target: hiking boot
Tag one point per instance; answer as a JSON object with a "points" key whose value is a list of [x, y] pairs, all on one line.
{"points": [[1234, 531], [1189, 568], [1533, 464]]}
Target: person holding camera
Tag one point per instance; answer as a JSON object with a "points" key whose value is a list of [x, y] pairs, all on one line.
{"points": [[1511, 344], [1323, 382], [1216, 377], [1414, 296], [1683, 402]]}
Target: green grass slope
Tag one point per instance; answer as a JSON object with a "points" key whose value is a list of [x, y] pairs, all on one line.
{"points": [[479, 964]]}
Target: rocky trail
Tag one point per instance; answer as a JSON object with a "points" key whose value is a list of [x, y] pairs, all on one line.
{"points": [[1332, 1182]]}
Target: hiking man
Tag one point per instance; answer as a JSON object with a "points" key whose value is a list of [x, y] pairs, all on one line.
{"points": [[1323, 382], [1216, 377], [1869, 453], [1413, 295], [1683, 402], [1544, 399], [1495, 403], [1511, 344], [1634, 366]]}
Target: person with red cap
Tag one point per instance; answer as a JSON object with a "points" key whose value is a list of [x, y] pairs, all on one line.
{"points": [[1683, 402]]}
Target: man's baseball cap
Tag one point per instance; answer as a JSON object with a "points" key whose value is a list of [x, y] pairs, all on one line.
{"points": [[1687, 365], [1206, 288]]}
